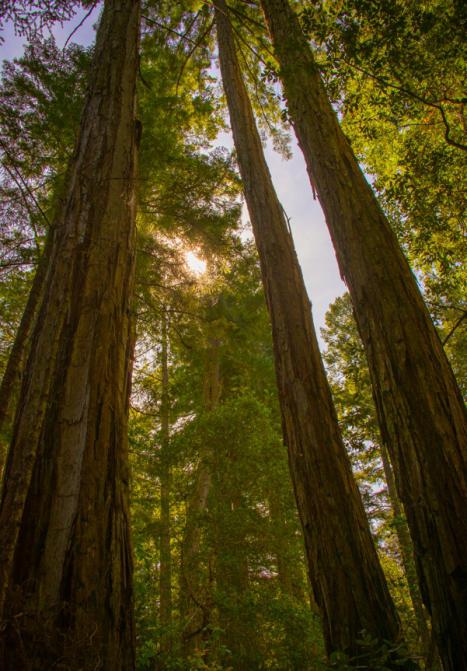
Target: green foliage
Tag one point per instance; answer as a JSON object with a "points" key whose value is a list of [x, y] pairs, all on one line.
{"points": [[350, 382], [33, 18], [376, 656], [398, 85], [40, 103], [250, 514], [41, 96]]}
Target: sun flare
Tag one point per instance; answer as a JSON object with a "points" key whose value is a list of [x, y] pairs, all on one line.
{"points": [[195, 264]]}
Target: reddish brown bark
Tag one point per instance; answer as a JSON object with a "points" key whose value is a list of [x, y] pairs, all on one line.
{"points": [[420, 409], [65, 581], [347, 579]]}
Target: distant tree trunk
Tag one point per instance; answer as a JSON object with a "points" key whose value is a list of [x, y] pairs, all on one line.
{"points": [[284, 566], [347, 580], [66, 563], [12, 375], [289, 570], [195, 608], [290, 574], [239, 646], [419, 406], [165, 575], [195, 604], [406, 550]]}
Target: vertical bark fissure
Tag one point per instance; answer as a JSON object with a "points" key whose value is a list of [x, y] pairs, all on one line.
{"points": [[347, 579], [419, 406], [66, 555]]}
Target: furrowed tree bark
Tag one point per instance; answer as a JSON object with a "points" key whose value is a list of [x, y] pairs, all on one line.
{"points": [[66, 564], [347, 579], [420, 409], [195, 605], [165, 575]]}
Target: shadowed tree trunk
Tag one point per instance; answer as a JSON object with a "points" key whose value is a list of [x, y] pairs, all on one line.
{"points": [[420, 409], [66, 564], [347, 580]]}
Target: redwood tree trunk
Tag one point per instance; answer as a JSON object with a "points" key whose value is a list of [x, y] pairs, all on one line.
{"points": [[420, 409], [65, 581], [347, 579]]}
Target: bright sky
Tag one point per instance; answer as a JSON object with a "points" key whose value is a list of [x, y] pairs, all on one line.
{"points": [[312, 241], [310, 233]]}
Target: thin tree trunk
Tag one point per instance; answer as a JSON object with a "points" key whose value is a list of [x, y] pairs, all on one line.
{"points": [[237, 624], [290, 573], [12, 375], [347, 580], [195, 603], [420, 409], [66, 564], [165, 575], [406, 550]]}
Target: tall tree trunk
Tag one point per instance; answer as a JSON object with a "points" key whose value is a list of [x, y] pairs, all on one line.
{"points": [[66, 564], [419, 406], [165, 575], [236, 619], [195, 603], [347, 580], [406, 550], [290, 574], [12, 375]]}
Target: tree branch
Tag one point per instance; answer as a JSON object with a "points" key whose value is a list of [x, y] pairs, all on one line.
{"points": [[454, 328]]}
